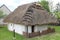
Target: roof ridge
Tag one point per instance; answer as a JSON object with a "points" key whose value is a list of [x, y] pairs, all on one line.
{"points": [[5, 6]]}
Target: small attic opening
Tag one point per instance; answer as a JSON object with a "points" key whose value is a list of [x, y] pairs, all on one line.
{"points": [[30, 10]]}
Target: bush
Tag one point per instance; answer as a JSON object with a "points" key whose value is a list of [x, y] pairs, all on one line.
{"points": [[57, 14]]}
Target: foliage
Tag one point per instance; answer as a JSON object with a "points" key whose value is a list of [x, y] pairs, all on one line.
{"points": [[57, 11], [45, 4], [57, 7], [1, 14], [57, 14]]}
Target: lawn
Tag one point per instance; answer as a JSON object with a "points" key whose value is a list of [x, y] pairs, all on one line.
{"points": [[7, 35]]}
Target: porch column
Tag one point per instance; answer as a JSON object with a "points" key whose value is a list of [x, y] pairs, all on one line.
{"points": [[27, 29]]}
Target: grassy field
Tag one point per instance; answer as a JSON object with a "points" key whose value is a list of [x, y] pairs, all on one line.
{"points": [[7, 35]]}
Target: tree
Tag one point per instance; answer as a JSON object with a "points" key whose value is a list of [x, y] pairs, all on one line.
{"points": [[45, 4], [57, 11], [1, 14], [58, 7], [57, 14]]}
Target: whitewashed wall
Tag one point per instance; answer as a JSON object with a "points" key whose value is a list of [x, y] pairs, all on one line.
{"points": [[18, 28], [29, 29], [40, 28], [21, 28]]}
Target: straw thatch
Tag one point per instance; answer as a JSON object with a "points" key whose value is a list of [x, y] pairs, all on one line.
{"points": [[30, 14]]}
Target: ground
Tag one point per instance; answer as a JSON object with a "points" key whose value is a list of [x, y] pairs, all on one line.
{"points": [[7, 35]]}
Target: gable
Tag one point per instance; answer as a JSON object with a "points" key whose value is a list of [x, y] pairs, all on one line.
{"points": [[5, 10]]}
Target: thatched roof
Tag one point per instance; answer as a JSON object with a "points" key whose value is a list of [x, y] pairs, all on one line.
{"points": [[30, 14]]}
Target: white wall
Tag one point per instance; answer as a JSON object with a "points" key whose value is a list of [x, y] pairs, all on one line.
{"points": [[29, 29], [40, 28], [21, 28], [18, 28]]}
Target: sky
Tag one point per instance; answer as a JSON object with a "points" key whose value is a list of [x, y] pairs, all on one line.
{"points": [[13, 4]]}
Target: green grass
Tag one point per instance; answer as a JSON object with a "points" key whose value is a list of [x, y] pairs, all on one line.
{"points": [[7, 35]]}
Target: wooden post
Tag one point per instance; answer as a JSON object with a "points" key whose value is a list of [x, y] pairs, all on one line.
{"points": [[27, 29], [27, 32], [14, 38]]}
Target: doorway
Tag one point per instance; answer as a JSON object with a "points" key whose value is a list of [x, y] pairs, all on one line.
{"points": [[32, 28]]}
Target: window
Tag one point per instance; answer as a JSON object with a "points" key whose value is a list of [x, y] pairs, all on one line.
{"points": [[30, 10], [11, 24]]}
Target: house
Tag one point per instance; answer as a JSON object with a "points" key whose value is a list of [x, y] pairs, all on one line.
{"points": [[6, 12], [30, 20], [5, 9]]}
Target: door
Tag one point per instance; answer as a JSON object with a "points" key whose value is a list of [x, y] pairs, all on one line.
{"points": [[33, 28]]}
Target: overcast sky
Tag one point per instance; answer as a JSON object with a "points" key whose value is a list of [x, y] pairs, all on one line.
{"points": [[12, 4]]}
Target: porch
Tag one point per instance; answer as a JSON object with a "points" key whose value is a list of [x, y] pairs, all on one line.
{"points": [[29, 35], [38, 33]]}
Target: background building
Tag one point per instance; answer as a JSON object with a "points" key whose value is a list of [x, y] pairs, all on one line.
{"points": [[5, 11]]}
